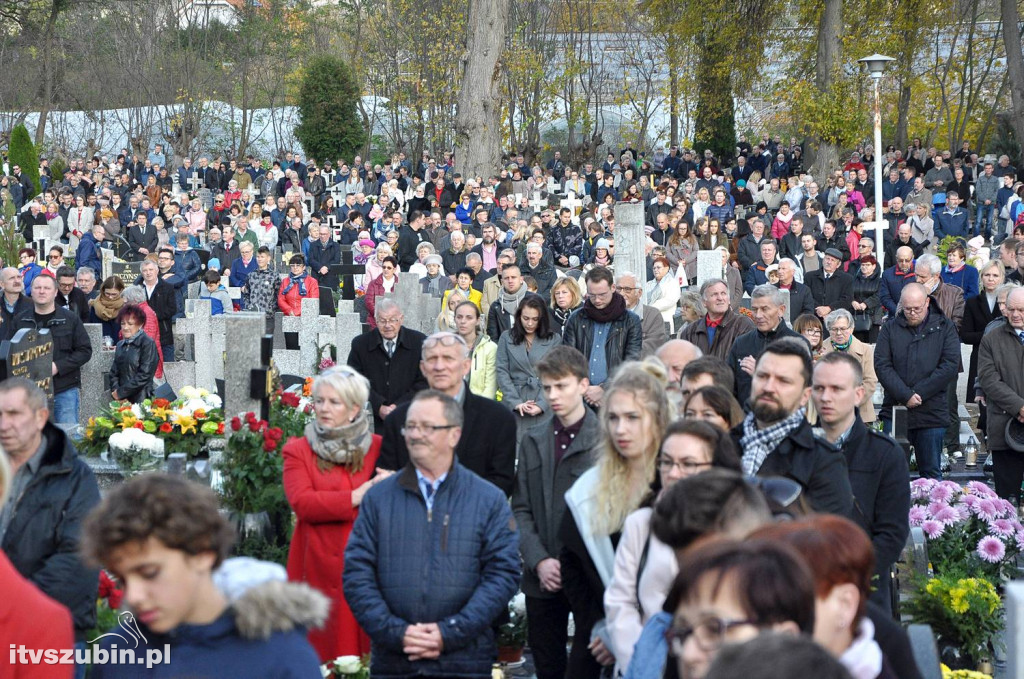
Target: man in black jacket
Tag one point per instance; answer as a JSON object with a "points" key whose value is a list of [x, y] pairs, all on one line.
{"points": [[163, 301], [52, 491], [71, 347], [800, 299], [143, 238], [487, 446], [323, 254], [877, 464], [769, 310], [604, 331], [227, 249], [389, 357], [410, 236], [776, 438], [503, 310], [69, 296], [830, 287]]}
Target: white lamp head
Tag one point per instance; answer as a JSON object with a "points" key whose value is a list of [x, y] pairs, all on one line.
{"points": [[875, 64]]}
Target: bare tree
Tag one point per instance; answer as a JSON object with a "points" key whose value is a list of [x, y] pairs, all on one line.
{"points": [[1014, 65]]}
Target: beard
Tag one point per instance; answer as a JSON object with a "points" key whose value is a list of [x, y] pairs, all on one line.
{"points": [[769, 412]]}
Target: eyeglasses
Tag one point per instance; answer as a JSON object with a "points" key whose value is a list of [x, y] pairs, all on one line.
{"points": [[839, 329], [708, 634], [415, 428], [812, 331], [667, 464], [54, 256], [389, 321], [445, 339]]}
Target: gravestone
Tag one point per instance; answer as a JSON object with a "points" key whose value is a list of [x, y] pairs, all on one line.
{"points": [[128, 272], [576, 205], [1015, 629], [29, 354], [205, 197], [199, 327], [348, 328], [538, 204], [348, 271], [106, 263], [709, 265], [246, 355], [785, 301], [194, 183], [420, 310], [630, 240], [95, 392]]}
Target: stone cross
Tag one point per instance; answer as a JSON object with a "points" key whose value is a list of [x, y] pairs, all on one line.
{"points": [[208, 363], [331, 222], [538, 204], [329, 177], [194, 182], [246, 356], [630, 240], [420, 310], [310, 203], [337, 193], [348, 270], [254, 189], [572, 202], [106, 263], [95, 392]]}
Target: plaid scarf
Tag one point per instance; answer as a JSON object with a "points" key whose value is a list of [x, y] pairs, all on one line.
{"points": [[757, 444]]}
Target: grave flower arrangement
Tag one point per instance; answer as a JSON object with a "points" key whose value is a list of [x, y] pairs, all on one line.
{"points": [[186, 424], [970, 530], [136, 451], [512, 634], [348, 666], [965, 613], [252, 466]]}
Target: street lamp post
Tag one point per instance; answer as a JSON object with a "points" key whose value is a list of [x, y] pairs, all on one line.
{"points": [[876, 63]]}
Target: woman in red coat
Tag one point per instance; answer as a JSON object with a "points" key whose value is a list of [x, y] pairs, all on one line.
{"points": [[296, 287], [326, 474]]}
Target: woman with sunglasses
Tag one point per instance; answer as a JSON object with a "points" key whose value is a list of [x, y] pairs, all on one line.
{"points": [[644, 566], [326, 474], [635, 413]]}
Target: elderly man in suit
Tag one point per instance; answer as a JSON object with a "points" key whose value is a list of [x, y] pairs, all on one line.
{"points": [[651, 323]]}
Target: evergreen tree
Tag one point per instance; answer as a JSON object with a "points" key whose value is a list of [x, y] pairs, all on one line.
{"points": [[330, 125], [22, 152]]}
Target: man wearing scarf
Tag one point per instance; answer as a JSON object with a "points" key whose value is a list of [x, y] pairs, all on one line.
{"points": [[776, 438], [604, 331], [503, 310]]}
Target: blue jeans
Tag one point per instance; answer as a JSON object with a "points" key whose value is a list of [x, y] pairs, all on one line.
{"points": [[65, 406], [928, 449], [984, 216], [168, 352]]}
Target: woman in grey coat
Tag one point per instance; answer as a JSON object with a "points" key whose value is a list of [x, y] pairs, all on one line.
{"points": [[519, 349]]}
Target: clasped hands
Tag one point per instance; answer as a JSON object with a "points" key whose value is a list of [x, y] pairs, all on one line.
{"points": [[423, 641]]}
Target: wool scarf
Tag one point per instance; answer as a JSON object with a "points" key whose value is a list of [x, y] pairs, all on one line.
{"points": [[346, 445], [757, 444], [299, 280], [106, 309], [614, 310], [510, 303]]}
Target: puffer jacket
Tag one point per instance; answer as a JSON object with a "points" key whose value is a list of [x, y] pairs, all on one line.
{"points": [[261, 633], [918, 361], [456, 565], [131, 373], [624, 341], [43, 535]]}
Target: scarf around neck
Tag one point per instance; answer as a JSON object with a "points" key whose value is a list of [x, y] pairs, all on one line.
{"points": [[346, 445], [106, 309], [299, 280], [758, 444], [614, 310], [510, 303]]}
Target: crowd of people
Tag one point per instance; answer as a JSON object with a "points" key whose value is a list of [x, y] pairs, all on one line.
{"points": [[687, 471]]}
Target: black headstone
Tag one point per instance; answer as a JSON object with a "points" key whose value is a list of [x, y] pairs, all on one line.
{"points": [[128, 272], [29, 354]]}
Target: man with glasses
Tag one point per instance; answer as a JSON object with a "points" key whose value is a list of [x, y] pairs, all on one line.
{"points": [[877, 465], [917, 355], [652, 326], [775, 436], [1001, 378], [895, 278], [434, 522], [488, 444], [69, 297], [388, 356]]}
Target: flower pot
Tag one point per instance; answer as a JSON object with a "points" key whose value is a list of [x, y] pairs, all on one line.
{"points": [[956, 658], [510, 655]]}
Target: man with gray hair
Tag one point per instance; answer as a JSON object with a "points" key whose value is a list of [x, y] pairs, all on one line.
{"points": [[715, 333], [651, 323], [800, 299], [85, 279], [769, 310], [535, 266], [388, 356]]}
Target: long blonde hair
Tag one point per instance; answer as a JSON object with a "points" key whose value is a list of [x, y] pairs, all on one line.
{"points": [[618, 494]]}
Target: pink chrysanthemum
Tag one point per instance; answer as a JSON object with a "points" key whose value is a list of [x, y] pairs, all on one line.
{"points": [[988, 510], [991, 549], [963, 510], [980, 489], [941, 493], [919, 488], [936, 507], [1003, 528], [1006, 507], [970, 501], [918, 515], [947, 516], [933, 529]]}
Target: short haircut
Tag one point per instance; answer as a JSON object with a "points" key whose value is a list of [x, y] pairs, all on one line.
{"points": [[147, 263], [132, 312], [264, 250], [1011, 244], [723, 450], [836, 315], [599, 274], [563, 361], [930, 262], [452, 410], [773, 584], [792, 346], [776, 654], [720, 371], [65, 272], [86, 271], [211, 276], [182, 515], [712, 501], [768, 290], [467, 271], [836, 357], [350, 386], [58, 249], [34, 396], [297, 259]]}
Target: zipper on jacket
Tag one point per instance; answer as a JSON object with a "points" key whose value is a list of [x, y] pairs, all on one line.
{"points": [[444, 534]]}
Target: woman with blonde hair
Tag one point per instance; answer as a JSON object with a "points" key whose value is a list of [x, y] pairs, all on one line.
{"points": [[327, 472], [635, 414], [446, 319], [565, 299]]}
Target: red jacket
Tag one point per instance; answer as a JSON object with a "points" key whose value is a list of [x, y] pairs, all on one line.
{"points": [[290, 303], [31, 619], [322, 502]]}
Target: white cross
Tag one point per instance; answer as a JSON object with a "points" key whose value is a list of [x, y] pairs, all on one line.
{"points": [[194, 182], [538, 203], [329, 177], [572, 203], [331, 222], [552, 185], [337, 193], [254, 189]]}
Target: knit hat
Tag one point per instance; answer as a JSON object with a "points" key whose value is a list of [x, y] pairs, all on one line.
{"points": [[433, 259], [214, 264], [602, 243], [366, 243]]}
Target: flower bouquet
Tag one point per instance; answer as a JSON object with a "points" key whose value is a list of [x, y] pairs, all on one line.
{"points": [[965, 613], [970, 530], [350, 666], [252, 466], [136, 451], [186, 424], [512, 633]]}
